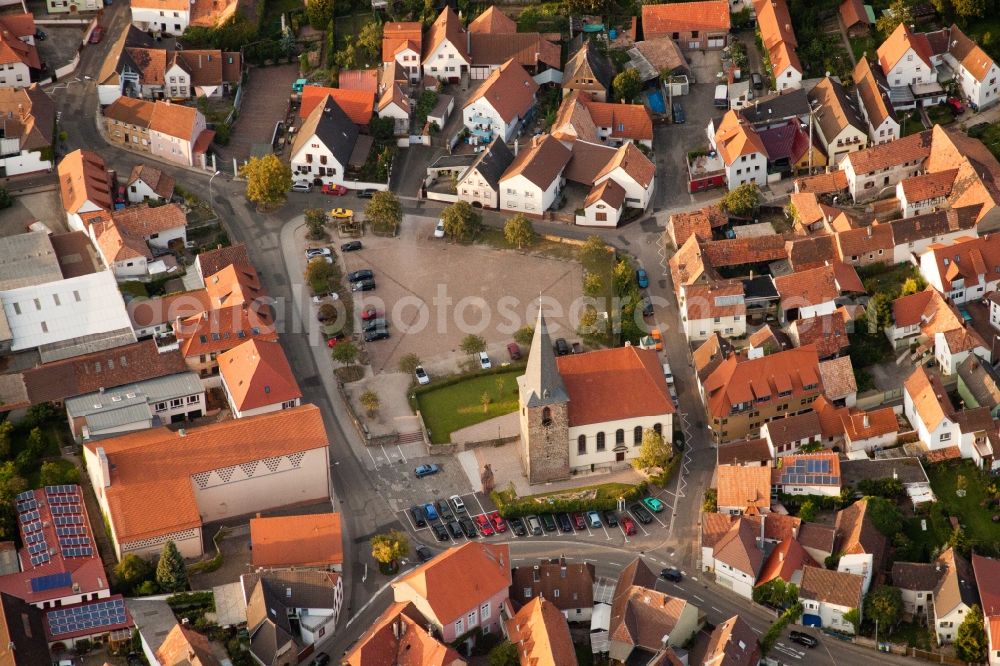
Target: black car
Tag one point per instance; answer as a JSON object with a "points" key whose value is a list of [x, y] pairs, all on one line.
{"points": [[757, 81], [351, 246], [439, 531], [468, 527], [40, 35], [647, 306], [363, 274], [640, 513], [803, 639], [562, 347], [610, 518], [322, 659], [517, 525], [444, 510], [417, 513], [672, 574], [374, 324], [377, 334], [455, 528], [565, 524], [549, 522], [363, 285], [366, 193], [424, 553], [678, 111]]}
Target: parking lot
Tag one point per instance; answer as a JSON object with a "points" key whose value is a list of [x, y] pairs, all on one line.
{"points": [[60, 45]]}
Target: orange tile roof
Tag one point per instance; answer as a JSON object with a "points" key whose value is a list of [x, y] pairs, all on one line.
{"points": [[907, 310], [236, 284], [740, 486], [633, 162], [493, 22], [898, 43], [573, 120], [815, 286], [738, 548], [828, 333], [186, 646], [664, 20], [822, 183], [698, 223], [967, 258], [811, 252], [833, 587], [740, 251], [859, 425], [540, 162], [930, 401], [174, 5], [460, 578], [83, 177], [609, 192], [158, 181], [358, 105], [541, 634], [399, 637], [115, 244], [970, 54], [858, 534], [130, 111], [446, 27], [688, 265], [912, 148], [738, 381], [509, 89], [527, 48], [12, 48], [808, 209], [613, 384], [787, 558], [928, 185], [775, 25], [149, 465], [853, 12], [401, 34], [859, 242], [310, 540], [714, 526], [358, 79], [735, 138], [733, 643], [626, 121], [174, 120], [874, 99], [701, 301], [219, 329], [257, 374]]}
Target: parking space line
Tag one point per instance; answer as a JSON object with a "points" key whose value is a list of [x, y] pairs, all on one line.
{"points": [[638, 523], [481, 508], [386, 454], [622, 528], [398, 448], [372, 457], [607, 535], [662, 524]]}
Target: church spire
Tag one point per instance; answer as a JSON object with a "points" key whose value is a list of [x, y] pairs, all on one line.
{"points": [[541, 376]]}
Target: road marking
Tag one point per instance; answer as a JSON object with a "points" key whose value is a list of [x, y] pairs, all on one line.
{"points": [[614, 564], [385, 453], [481, 508], [678, 586], [372, 457], [622, 528], [684, 573], [716, 609], [698, 598], [401, 453], [695, 579], [757, 631]]}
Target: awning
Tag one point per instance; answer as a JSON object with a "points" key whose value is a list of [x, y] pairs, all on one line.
{"points": [[812, 620]]}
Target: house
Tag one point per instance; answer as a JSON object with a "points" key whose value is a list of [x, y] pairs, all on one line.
{"points": [[138, 67], [500, 104], [88, 623], [572, 407], [534, 179], [738, 557], [55, 571], [954, 596], [210, 262], [855, 18], [733, 643], [741, 395], [173, 18], [827, 595], [358, 105], [133, 242], [786, 562], [446, 49], [137, 406], [986, 570], [397, 634], [587, 70], [716, 307], [767, 339], [872, 170], [854, 429], [645, 621], [858, 535], [913, 235], [742, 151], [175, 133], [739, 487], [808, 474], [359, 79], [788, 148], [23, 633], [147, 183], [787, 435], [18, 53], [541, 635], [965, 270], [463, 588], [155, 317], [842, 128], [979, 384], [494, 39], [164, 640], [322, 149], [480, 184], [275, 459], [257, 378], [873, 100], [975, 72], [817, 540], [693, 25], [916, 582], [905, 58], [746, 452], [289, 611], [603, 206], [827, 333], [185, 645], [402, 45], [569, 586], [816, 291], [926, 192], [822, 183], [395, 104], [929, 410], [84, 185], [777, 36], [630, 169], [699, 222], [581, 117], [310, 541], [28, 130]]}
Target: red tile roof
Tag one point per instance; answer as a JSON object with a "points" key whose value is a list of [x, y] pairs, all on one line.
{"points": [[787, 558], [541, 635], [83, 177], [822, 183], [396, 36], [664, 20], [493, 22], [741, 487], [898, 43], [358, 105], [828, 333], [310, 540], [257, 374], [930, 401], [399, 637], [446, 27], [741, 381], [509, 89], [853, 12], [358, 79], [913, 148]]}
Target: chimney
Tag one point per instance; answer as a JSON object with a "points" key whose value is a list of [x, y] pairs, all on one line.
{"points": [[762, 531], [865, 421], [516, 142], [102, 458], [182, 432]]}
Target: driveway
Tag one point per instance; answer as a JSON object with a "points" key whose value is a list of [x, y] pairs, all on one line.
{"points": [[60, 45], [265, 102]]}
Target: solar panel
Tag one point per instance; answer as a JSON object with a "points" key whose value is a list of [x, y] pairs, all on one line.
{"points": [[81, 618], [26, 505], [27, 494], [34, 538], [41, 558], [68, 520], [29, 516], [32, 527]]}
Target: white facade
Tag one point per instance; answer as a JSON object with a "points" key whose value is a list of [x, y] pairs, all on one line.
{"points": [[445, 62], [25, 161], [961, 291], [915, 601], [409, 61], [995, 313], [172, 22], [177, 149], [139, 191], [15, 75], [871, 443], [474, 188], [732, 578], [399, 115], [946, 626], [481, 115], [750, 168], [950, 359], [912, 208], [698, 330], [177, 82], [636, 196], [315, 161], [910, 70], [831, 615], [67, 6], [621, 441], [903, 253], [869, 185], [849, 140], [600, 214], [861, 564], [788, 79], [982, 93], [945, 434], [256, 411], [826, 490], [884, 133], [521, 195]]}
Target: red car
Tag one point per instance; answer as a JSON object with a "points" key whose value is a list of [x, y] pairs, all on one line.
{"points": [[334, 190], [96, 35], [628, 526], [498, 522], [370, 313], [955, 104], [331, 343], [483, 523], [578, 521]]}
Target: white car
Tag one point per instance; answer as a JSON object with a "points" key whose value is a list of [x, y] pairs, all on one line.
{"points": [[421, 374], [301, 186], [457, 504], [439, 229], [313, 252], [484, 361]]}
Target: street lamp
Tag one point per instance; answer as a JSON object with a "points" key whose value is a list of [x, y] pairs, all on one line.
{"points": [[211, 200]]}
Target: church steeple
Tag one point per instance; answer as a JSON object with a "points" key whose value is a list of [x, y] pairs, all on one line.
{"points": [[542, 381]]}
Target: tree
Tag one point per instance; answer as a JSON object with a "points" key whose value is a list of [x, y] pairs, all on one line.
{"points": [[55, 474], [389, 548], [504, 654], [969, 8], [345, 352], [970, 641], [319, 274], [485, 399], [654, 451], [171, 574], [384, 211], [776, 593], [408, 363], [710, 501], [132, 570], [593, 251], [742, 201], [11, 484], [370, 40], [472, 344], [854, 617], [884, 515], [320, 13], [899, 11], [588, 321], [623, 277], [316, 223], [524, 335], [808, 510], [593, 285], [461, 221], [884, 604], [911, 286], [370, 402], [327, 313], [626, 86], [517, 231], [808, 447], [268, 181], [6, 427]]}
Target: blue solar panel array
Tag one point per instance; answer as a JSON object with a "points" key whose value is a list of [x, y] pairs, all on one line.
{"points": [[808, 471], [60, 490], [51, 582], [78, 552], [27, 494], [26, 505], [65, 509], [63, 521], [70, 531], [41, 558], [34, 538], [91, 616], [32, 527]]}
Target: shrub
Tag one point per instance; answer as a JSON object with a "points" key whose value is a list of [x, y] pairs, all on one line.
{"points": [[511, 506]]}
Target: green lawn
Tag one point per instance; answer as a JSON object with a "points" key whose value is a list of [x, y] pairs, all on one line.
{"points": [[924, 543], [888, 277], [459, 405], [940, 114], [973, 510], [864, 45], [600, 491], [910, 124], [912, 634]]}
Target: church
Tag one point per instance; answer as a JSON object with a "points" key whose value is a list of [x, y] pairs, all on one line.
{"points": [[587, 412]]}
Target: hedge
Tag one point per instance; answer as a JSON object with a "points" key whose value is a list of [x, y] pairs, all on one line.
{"points": [[789, 616], [511, 506]]}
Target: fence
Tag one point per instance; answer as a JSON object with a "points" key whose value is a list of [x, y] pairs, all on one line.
{"points": [[457, 447], [440, 196], [876, 398], [68, 68]]}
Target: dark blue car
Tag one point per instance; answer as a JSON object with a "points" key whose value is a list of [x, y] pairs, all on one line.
{"points": [[642, 278]]}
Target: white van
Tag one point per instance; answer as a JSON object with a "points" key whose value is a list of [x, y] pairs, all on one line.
{"points": [[722, 96]]}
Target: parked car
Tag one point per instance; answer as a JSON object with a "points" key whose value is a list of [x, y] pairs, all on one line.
{"points": [[549, 522], [562, 347], [439, 229], [803, 639], [578, 520], [468, 527], [653, 504], [341, 213], [377, 334], [628, 526], [322, 659], [534, 525], [514, 351], [565, 524], [484, 361], [422, 377], [367, 193], [499, 524], [334, 190], [484, 525], [757, 81], [610, 518], [313, 252], [363, 285], [444, 509], [955, 104], [458, 504], [517, 526], [370, 313], [417, 514], [647, 306], [455, 529], [426, 470], [374, 324], [672, 574], [351, 246], [424, 553], [639, 511], [594, 519], [301, 186], [363, 274], [678, 113], [430, 511], [642, 278], [40, 34], [97, 35], [440, 532]]}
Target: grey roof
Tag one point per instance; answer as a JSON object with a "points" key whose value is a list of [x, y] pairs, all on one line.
{"points": [[759, 287], [541, 383], [907, 470], [454, 161], [270, 594], [330, 125], [981, 380], [144, 392], [493, 162], [25, 632], [153, 618], [777, 106], [27, 260]]}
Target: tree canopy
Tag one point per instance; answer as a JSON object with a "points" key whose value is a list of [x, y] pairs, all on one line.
{"points": [[970, 641], [626, 86], [884, 604], [518, 231], [389, 548], [461, 221], [268, 180], [171, 573], [385, 211], [744, 200], [654, 451]]}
